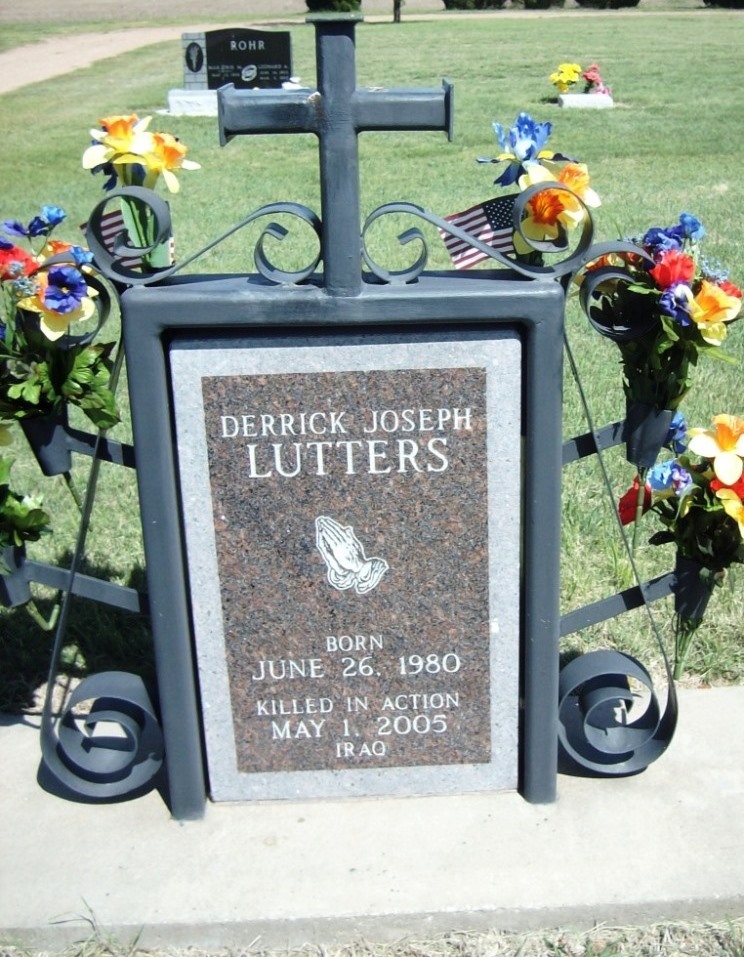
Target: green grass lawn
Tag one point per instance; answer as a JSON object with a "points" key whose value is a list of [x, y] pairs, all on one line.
{"points": [[673, 143]]}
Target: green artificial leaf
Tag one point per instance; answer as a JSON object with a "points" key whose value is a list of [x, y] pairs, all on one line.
{"points": [[5, 466]]}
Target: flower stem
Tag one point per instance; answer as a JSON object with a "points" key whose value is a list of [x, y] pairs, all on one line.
{"points": [[73, 490], [142, 228], [39, 618], [684, 632], [639, 508]]}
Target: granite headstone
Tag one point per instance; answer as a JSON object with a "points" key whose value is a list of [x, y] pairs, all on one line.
{"points": [[249, 59], [352, 523]]}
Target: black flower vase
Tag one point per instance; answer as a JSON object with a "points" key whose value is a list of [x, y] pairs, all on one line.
{"points": [[691, 592], [14, 587], [47, 436], [645, 431]]}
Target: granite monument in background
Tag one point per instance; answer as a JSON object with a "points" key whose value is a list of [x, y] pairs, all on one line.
{"points": [[249, 59]]}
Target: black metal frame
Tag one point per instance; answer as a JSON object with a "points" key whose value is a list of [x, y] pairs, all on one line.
{"points": [[152, 315]]}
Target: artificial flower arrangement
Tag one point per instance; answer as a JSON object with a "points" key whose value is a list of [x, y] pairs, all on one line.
{"points": [[45, 291], [666, 307], [567, 75], [129, 154], [698, 497], [550, 214], [132, 157], [593, 81], [547, 215]]}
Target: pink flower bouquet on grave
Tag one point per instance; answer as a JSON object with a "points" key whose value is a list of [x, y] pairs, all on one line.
{"points": [[594, 82], [567, 75]]}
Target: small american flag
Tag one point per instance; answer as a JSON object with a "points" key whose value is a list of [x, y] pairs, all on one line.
{"points": [[112, 224], [490, 222]]}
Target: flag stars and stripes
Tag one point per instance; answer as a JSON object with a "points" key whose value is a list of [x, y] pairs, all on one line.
{"points": [[490, 222]]}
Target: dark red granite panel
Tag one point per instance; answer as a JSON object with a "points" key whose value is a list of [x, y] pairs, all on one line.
{"points": [[355, 592]]}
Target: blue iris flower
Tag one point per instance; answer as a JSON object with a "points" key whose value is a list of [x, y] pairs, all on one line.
{"points": [[526, 138], [694, 229], [659, 240], [40, 225], [521, 144], [5, 243], [670, 475], [675, 302], [677, 435], [65, 290], [13, 228], [53, 215]]}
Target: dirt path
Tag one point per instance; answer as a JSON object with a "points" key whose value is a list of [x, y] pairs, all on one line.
{"points": [[53, 57]]}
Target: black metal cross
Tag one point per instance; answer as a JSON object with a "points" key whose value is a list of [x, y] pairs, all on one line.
{"points": [[337, 111]]}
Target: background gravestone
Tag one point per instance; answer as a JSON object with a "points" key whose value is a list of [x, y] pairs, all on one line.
{"points": [[248, 59]]}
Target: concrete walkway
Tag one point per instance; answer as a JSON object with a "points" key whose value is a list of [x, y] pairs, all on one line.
{"points": [[665, 844]]}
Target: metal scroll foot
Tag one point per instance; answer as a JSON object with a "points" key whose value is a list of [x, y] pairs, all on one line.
{"points": [[610, 722], [110, 750]]}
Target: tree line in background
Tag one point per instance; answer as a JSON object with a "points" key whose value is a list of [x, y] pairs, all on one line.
{"points": [[351, 6]]}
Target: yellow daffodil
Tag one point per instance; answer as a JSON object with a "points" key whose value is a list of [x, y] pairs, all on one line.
{"points": [[166, 155], [710, 309], [125, 145], [724, 445], [122, 139], [733, 506], [576, 177]]}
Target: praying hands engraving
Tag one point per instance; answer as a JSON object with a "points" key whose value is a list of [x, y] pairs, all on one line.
{"points": [[344, 556]]}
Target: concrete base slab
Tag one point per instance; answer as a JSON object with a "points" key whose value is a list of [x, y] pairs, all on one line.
{"points": [[664, 844]]}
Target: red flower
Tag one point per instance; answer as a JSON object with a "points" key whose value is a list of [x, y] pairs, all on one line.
{"points": [[628, 504], [13, 258], [737, 487], [673, 267], [730, 288]]}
